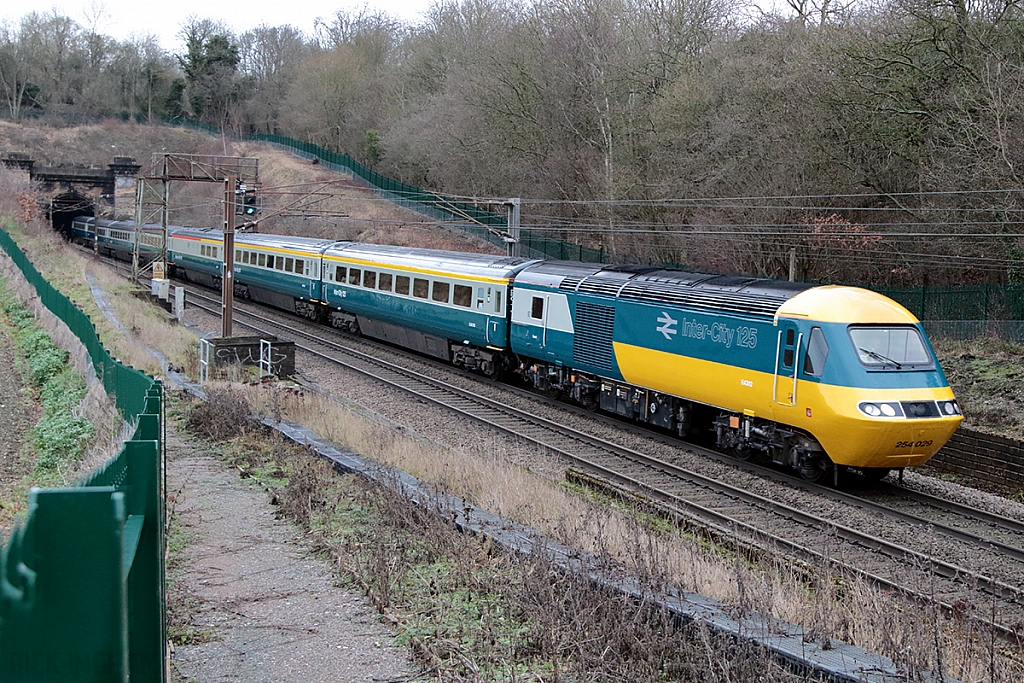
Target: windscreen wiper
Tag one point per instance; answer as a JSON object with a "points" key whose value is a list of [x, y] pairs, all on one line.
{"points": [[880, 357]]}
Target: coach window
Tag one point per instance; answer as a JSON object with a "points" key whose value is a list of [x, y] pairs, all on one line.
{"points": [[463, 296], [300, 266], [289, 264], [402, 285], [263, 260], [384, 282], [817, 353], [238, 255], [354, 276], [537, 308], [340, 273], [497, 301], [370, 279], [271, 260], [441, 291], [420, 288]]}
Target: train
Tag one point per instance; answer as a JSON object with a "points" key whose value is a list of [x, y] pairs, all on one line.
{"points": [[816, 378]]}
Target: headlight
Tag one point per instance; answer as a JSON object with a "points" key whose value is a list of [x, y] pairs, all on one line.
{"points": [[949, 408], [880, 408]]}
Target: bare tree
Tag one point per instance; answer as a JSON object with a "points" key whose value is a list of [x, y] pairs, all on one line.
{"points": [[270, 59], [15, 71]]}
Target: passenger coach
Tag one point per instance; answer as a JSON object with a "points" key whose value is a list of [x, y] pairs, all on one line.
{"points": [[279, 271], [445, 304]]}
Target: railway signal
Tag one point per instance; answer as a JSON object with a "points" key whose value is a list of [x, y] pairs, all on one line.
{"points": [[247, 200]]}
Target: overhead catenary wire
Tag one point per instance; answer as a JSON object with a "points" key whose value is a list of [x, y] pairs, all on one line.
{"points": [[881, 242]]}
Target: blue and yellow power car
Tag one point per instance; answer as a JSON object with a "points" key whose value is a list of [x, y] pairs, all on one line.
{"points": [[813, 376]]}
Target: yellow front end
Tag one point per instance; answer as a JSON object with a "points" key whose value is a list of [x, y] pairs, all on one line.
{"points": [[828, 413]]}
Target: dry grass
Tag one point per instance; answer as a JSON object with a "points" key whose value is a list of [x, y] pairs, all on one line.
{"points": [[469, 612], [832, 608], [985, 375], [67, 268]]}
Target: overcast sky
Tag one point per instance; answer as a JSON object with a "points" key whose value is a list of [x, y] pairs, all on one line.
{"points": [[163, 18]]}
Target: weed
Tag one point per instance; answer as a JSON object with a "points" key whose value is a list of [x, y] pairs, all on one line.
{"points": [[62, 433], [225, 414]]}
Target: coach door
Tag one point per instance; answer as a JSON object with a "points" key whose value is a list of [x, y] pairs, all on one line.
{"points": [[787, 360]]}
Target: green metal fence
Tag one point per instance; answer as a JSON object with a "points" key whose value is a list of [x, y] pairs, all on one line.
{"points": [[82, 576], [965, 312], [470, 218], [967, 302]]}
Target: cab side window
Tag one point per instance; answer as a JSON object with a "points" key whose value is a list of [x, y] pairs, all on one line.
{"points": [[537, 308], [790, 348], [817, 353]]}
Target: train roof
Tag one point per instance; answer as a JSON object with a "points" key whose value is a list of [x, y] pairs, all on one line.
{"points": [[734, 294], [255, 239], [430, 260], [117, 225], [834, 303]]}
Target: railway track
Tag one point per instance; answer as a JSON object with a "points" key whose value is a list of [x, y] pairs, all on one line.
{"points": [[732, 514]]}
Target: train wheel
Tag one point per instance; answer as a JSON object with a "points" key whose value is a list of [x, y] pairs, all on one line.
{"points": [[875, 474], [492, 371], [815, 468], [742, 453]]}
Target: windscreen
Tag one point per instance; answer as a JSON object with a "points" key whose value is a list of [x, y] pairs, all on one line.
{"points": [[891, 348]]}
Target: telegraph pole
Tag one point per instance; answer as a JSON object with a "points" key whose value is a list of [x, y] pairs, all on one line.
{"points": [[227, 296]]}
